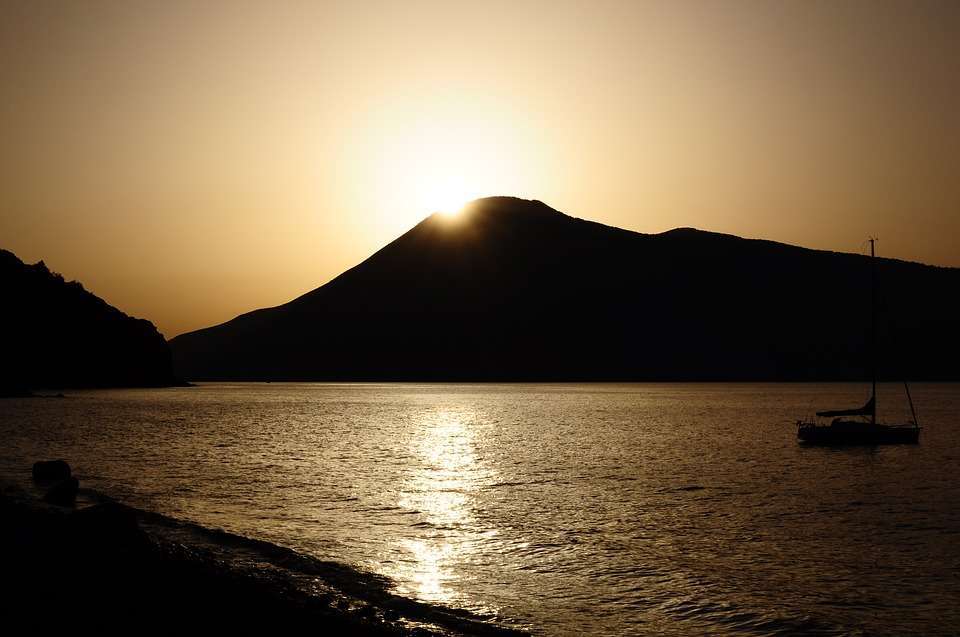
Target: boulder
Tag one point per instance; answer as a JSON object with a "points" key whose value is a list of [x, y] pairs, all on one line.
{"points": [[63, 493], [51, 470]]}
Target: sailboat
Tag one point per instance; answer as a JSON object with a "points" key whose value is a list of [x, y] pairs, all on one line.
{"points": [[859, 426]]}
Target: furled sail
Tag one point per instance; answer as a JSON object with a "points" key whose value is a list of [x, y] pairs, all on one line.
{"points": [[866, 410]]}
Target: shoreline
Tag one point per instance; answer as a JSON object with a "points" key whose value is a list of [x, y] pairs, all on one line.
{"points": [[102, 563]]}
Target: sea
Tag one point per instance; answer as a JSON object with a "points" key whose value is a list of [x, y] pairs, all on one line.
{"points": [[558, 509]]}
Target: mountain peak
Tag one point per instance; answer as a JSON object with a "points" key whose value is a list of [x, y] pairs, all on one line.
{"points": [[503, 203], [489, 220], [502, 207], [511, 289]]}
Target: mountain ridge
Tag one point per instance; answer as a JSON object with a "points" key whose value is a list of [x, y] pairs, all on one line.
{"points": [[512, 289], [56, 334]]}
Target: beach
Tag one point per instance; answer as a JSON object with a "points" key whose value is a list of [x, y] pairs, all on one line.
{"points": [[102, 565]]}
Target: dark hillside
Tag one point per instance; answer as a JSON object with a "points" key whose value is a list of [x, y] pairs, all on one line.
{"points": [[56, 334], [514, 290]]}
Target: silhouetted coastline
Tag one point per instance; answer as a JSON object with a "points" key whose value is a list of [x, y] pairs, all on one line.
{"points": [[57, 335], [98, 563], [14, 390], [512, 290]]}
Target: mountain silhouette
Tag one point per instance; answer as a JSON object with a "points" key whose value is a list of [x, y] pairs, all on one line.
{"points": [[511, 289], [55, 334]]}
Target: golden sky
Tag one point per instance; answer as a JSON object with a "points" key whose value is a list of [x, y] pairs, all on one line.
{"points": [[189, 161]]}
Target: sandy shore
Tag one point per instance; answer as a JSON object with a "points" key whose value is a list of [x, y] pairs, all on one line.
{"points": [[104, 565]]}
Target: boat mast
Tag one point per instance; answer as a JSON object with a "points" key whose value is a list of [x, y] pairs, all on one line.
{"points": [[873, 331], [916, 423]]}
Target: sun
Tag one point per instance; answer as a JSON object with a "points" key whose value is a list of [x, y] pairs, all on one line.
{"points": [[440, 171], [446, 194], [412, 162], [428, 171]]}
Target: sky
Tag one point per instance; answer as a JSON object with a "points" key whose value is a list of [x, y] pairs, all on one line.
{"points": [[190, 161]]}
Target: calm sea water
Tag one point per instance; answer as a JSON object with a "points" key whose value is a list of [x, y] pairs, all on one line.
{"points": [[562, 509]]}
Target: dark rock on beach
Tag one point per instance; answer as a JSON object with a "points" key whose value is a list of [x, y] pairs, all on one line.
{"points": [[56, 478], [46, 470], [63, 493]]}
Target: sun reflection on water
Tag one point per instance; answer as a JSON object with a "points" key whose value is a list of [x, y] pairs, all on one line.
{"points": [[441, 488]]}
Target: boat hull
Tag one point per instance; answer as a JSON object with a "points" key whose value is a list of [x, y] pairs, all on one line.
{"points": [[845, 433]]}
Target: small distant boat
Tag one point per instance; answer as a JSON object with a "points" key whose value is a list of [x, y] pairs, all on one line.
{"points": [[860, 426]]}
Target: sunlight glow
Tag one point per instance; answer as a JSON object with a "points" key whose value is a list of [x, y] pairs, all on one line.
{"points": [[436, 168], [441, 491], [445, 195], [416, 159]]}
